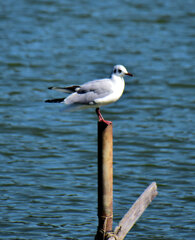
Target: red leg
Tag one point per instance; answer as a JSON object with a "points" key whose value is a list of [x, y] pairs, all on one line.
{"points": [[100, 117]]}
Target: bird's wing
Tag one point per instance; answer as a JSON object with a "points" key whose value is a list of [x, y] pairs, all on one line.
{"points": [[101, 86], [90, 91]]}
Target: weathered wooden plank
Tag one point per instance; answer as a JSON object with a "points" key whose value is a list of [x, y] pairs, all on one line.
{"points": [[135, 211]]}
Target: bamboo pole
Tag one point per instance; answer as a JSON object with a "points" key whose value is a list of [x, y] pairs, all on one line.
{"points": [[105, 179]]}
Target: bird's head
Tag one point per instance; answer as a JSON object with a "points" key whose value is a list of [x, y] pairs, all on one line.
{"points": [[121, 71]]}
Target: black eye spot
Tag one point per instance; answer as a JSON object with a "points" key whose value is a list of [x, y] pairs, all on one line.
{"points": [[119, 71], [114, 70]]}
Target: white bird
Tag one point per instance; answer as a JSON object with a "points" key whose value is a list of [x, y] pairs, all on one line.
{"points": [[95, 93]]}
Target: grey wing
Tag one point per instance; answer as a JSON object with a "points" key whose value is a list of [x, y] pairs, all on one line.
{"points": [[89, 92]]}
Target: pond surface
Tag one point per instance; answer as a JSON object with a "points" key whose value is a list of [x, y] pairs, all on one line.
{"points": [[48, 158]]}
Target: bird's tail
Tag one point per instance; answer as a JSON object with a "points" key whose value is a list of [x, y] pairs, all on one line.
{"points": [[56, 100], [70, 89]]}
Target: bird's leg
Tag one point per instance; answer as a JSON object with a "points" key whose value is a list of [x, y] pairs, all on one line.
{"points": [[99, 114], [100, 117]]}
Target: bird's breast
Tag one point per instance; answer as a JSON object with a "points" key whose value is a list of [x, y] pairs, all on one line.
{"points": [[118, 87], [115, 94]]}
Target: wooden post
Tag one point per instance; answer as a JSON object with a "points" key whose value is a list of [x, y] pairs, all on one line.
{"points": [[105, 179]]}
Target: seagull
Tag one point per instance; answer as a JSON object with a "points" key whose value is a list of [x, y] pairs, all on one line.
{"points": [[95, 93]]}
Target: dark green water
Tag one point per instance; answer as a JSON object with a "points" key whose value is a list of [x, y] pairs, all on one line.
{"points": [[48, 162]]}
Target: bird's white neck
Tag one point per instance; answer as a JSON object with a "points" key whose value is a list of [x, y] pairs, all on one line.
{"points": [[115, 78], [119, 84]]}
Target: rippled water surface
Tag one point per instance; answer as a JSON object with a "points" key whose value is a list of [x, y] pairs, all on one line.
{"points": [[48, 158]]}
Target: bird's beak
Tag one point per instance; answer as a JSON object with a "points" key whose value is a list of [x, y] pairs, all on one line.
{"points": [[129, 74]]}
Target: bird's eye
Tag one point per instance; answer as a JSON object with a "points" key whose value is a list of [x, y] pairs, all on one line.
{"points": [[114, 70], [119, 71]]}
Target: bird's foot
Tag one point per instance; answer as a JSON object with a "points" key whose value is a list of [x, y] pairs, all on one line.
{"points": [[106, 122], [100, 117]]}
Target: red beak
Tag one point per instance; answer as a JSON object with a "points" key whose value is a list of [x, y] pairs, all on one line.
{"points": [[129, 74]]}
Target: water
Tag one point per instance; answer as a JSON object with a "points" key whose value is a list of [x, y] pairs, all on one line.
{"points": [[48, 159]]}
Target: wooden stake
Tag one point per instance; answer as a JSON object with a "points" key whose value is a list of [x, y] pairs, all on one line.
{"points": [[105, 179]]}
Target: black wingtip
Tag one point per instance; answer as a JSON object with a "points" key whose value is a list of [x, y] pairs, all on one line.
{"points": [[50, 88], [57, 100]]}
